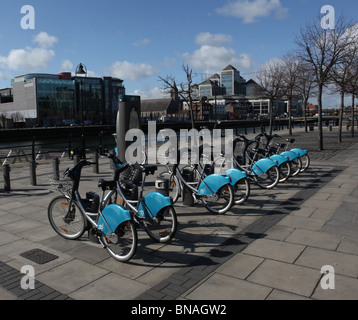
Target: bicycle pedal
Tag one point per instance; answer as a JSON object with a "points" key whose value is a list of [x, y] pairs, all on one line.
{"points": [[198, 201]]}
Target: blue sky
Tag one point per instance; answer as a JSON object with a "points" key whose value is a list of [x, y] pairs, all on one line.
{"points": [[139, 40]]}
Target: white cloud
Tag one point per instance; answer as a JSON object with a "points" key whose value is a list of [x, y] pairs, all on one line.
{"points": [[31, 58], [141, 43], [248, 10], [150, 93], [44, 40], [207, 38], [131, 71], [211, 59], [27, 59], [3, 76], [67, 65]]}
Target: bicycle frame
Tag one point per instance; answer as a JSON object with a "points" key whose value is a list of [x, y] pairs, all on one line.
{"points": [[255, 167]]}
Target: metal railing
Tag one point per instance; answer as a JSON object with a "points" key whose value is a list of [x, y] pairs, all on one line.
{"points": [[51, 148]]}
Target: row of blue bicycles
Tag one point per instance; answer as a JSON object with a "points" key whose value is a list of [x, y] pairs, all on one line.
{"points": [[113, 217]]}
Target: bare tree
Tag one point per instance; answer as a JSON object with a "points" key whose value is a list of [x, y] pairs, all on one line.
{"points": [[184, 89], [306, 87], [270, 78], [290, 79], [322, 49], [352, 86], [341, 76], [353, 89]]}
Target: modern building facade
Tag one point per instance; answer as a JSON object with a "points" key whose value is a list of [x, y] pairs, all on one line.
{"points": [[231, 96], [60, 99]]}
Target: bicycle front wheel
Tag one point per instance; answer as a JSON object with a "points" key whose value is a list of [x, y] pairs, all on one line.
{"points": [[122, 245], [163, 226], [296, 166], [306, 161], [285, 171], [221, 201], [241, 191], [66, 218], [269, 179]]}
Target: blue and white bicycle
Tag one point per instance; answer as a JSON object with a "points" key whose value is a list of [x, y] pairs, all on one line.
{"points": [[154, 210], [299, 157], [70, 216]]}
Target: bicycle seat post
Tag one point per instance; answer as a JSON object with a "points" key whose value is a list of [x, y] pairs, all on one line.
{"points": [[144, 176]]}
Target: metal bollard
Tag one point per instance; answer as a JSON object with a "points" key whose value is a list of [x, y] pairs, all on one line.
{"points": [[6, 173], [33, 173], [56, 169], [77, 159], [96, 164], [162, 186]]}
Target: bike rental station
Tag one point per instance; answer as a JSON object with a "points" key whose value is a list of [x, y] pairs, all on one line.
{"points": [[113, 218]]}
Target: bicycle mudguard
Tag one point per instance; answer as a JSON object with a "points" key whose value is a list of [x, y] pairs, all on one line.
{"points": [[262, 166], [153, 203], [235, 175], [300, 152], [112, 216], [290, 154], [279, 159], [212, 183]]}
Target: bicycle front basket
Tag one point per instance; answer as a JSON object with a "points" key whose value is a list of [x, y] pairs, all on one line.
{"points": [[63, 185], [132, 174]]}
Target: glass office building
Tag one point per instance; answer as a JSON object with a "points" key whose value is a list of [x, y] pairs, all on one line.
{"points": [[60, 99], [231, 82], [56, 101]]}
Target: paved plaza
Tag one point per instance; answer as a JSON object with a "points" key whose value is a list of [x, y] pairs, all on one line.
{"points": [[273, 247]]}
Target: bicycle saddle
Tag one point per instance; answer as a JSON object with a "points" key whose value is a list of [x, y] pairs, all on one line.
{"points": [[290, 140], [148, 169]]}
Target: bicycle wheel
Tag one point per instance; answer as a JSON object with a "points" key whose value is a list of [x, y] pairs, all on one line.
{"points": [[296, 166], [241, 191], [68, 221], [122, 245], [162, 228], [269, 179], [221, 201], [285, 171], [174, 185], [306, 161]]}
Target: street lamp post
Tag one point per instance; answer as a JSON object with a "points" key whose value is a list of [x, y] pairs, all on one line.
{"points": [[82, 70]]}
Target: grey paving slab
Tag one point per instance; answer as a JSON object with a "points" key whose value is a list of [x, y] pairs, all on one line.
{"points": [[302, 222], [109, 287], [345, 288], [240, 266], [287, 277], [223, 287], [71, 276], [343, 263], [284, 295], [7, 295], [275, 250], [314, 239]]}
